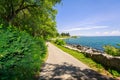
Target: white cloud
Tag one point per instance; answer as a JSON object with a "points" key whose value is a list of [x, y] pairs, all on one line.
{"points": [[106, 33], [101, 33], [97, 32], [109, 33], [98, 18], [85, 28], [115, 32]]}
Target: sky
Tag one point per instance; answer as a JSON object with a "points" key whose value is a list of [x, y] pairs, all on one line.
{"points": [[89, 17]]}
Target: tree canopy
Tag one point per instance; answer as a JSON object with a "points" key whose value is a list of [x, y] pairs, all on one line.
{"points": [[65, 34], [37, 17]]}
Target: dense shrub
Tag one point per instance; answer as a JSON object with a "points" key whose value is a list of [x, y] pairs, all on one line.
{"points": [[112, 50], [59, 42], [20, 54]]}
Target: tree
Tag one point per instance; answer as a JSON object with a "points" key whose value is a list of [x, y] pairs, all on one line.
{"points": [[65, 34], [37, 17]]}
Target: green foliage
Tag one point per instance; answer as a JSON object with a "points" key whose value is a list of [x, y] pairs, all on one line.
{"points": [[20, 54], [118, 44], [37, 17], [112, 50], [114, 73], [65, 34], [73, 36], [59, 42]]}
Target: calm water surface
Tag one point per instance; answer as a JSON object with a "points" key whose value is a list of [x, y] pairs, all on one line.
{"points": [[95, 42]]}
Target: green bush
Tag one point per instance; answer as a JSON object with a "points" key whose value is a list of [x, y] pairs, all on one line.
{"points": [[114, 72], [59, 42], [20, 54], [112, 50]]}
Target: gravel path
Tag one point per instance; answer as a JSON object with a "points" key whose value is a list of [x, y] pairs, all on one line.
{"points": [[62, 66]]}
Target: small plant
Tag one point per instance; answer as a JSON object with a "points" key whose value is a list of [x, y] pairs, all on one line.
{"points": [[112, 50], [118, 44], [60, 42], [114, 72]]}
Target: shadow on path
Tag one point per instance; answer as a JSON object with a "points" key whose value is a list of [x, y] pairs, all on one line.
{"points": [[67, 71]]}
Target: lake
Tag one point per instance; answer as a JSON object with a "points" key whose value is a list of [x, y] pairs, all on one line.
{"points": [[95, 42]]}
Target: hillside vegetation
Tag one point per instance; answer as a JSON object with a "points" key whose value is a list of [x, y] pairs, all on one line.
{"points": [[20, 54], [24, 27]]}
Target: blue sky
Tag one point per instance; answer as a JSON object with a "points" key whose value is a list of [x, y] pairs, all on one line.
{"points": [[89, 17]]}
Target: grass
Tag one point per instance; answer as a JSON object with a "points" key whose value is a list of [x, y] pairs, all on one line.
{"points": [[88, 61]]}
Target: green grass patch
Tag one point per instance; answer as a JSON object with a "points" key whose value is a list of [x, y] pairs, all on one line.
{"points": [[88, 61]]}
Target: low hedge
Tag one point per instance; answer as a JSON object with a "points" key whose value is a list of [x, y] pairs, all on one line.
{"points": [[20, 54]]}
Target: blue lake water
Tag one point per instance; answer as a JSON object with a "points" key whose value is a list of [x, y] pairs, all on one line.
{"points": [[95, 42]]}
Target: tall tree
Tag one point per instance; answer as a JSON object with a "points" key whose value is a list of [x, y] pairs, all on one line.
{"points": [[35, 16]]}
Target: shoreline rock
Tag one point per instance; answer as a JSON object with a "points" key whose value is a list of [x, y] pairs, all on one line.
{"points": [[86, 49]]}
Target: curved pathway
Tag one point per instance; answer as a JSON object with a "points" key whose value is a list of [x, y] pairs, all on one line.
{"points": [[62, 66]]}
